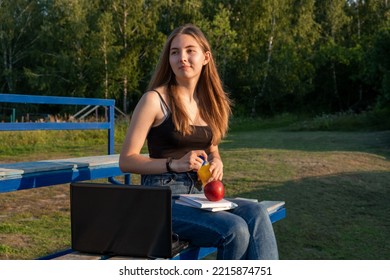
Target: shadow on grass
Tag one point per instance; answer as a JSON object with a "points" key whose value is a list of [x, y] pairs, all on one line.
{"points": [[370, 142], [345, 216]]}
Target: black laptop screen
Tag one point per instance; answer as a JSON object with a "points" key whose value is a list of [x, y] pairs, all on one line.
{"points": [[121, 220]]}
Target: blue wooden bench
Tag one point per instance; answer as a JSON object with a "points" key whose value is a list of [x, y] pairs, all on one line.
{"points": [[27, 175], [190, 253], [34, 174]]}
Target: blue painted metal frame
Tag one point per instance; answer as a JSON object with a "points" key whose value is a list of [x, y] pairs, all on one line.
{"points": [[109, 124], [39, 179]]}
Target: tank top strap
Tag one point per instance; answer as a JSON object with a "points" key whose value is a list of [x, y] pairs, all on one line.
{"points": [[164, 104]]}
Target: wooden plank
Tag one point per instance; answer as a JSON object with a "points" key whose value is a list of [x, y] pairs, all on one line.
{"points": [[118, 258], [27, 175], [58, 177], [89, 161], [20, 168], [79, 256], [272, 206]]}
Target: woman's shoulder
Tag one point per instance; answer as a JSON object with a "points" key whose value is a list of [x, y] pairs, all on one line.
{"points": [[151, 96], [162, 91], [156, 95]]}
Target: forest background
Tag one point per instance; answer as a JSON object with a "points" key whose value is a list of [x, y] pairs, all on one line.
{"points": [[327, 60], [274, 56]]}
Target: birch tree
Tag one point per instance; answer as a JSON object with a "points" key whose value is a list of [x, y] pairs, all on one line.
{"points": [[106, 49], [133, 23], [19, 21], [62, 58]]}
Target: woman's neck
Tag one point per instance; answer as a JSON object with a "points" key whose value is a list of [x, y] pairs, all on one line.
{"points": [[186, 93], [186, 86], [188, 99]]}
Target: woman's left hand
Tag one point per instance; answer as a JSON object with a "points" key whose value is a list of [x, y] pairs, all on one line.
{"points": [[216, 169]]}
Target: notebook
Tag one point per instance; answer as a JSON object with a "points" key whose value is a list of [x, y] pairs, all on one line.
{"points": [[123, 220]]}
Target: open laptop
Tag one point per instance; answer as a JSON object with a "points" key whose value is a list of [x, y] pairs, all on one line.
{"points": [[123, 220]]}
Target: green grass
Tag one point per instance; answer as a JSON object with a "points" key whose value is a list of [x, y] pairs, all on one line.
{"points": [[35, 236], [335, 184]]}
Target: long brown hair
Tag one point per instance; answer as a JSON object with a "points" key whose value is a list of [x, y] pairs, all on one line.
{"points": [[214, 103]]}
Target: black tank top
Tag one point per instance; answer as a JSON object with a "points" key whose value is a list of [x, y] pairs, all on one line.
{"points": [[165, 141]]}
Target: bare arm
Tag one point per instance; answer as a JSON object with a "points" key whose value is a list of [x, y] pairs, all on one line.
{"points": [[146, 114]]}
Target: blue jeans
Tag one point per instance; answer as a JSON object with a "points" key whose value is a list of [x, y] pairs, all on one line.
{"points": [[245, 232]]}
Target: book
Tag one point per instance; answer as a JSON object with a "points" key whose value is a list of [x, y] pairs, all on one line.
{"points": [[200, 201], [212, 209]]}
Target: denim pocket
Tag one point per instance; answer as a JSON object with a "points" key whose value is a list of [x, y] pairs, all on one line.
{"points": [[176, 182]]}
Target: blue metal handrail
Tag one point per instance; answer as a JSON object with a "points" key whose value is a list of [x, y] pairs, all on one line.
{"points": [[108, 124]]}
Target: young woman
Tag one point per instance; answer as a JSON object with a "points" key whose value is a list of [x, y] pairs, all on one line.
{"points": [[184, 115]]}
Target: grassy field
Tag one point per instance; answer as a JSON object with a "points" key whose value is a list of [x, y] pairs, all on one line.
{"points": [[336, 186]]}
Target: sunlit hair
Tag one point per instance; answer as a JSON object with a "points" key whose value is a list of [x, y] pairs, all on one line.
{"points": [[214, 104]]}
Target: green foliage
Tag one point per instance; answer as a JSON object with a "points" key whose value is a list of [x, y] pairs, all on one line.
{"points": [[346, 121], [379, 71], [275, 57]]}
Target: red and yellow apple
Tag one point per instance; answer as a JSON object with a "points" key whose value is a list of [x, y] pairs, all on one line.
{"points": [[214, 190]]}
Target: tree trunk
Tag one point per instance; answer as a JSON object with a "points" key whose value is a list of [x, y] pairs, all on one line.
{"points": [[335, 86], [8, 66], [105, 47], [125, 79], [268, 62], [125, 94]]}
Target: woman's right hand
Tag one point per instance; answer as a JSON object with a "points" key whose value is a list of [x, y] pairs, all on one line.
{"points": [[189, 162]]}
